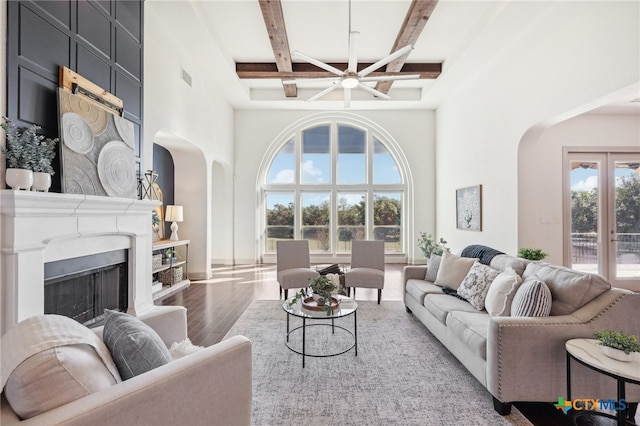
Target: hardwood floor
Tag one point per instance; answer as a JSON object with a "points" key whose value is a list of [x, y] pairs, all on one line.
{"points": [[214, 305]]}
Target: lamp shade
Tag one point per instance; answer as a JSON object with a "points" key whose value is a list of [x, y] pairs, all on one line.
{"points": [[173, 214]]}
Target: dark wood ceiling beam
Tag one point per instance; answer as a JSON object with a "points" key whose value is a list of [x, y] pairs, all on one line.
{"points": [[414, 22], [274, 21], [260, 70]]}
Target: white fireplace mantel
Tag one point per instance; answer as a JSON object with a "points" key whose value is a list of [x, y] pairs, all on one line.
{"points": [[43, 227]]}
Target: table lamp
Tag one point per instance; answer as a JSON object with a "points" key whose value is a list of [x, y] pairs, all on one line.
{"points": [[173, 215]]}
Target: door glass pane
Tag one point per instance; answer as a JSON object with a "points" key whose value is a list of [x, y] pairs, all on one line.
{"points": [[584, 216], [316, 157], [385, 169], [280, 208], [351, 219], [282, 167], [387, 211], [351, 155], [627, 223], [315, 220]]}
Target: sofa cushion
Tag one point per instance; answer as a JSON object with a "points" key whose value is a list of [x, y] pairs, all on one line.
{"points": [[135, 347], [453, 269], [433, 267], [471, 328], [439, 305], [51, 360], [475, 285], [569, 288], [420, 288], [501, 293], [504, 261], [533, 299]]}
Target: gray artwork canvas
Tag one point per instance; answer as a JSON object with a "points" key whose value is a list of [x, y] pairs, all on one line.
{"points": [[97, 149], [469, 208]]}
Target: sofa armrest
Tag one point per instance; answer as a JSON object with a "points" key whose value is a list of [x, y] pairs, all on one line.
{"points": [[212, 387], [413, 272]]}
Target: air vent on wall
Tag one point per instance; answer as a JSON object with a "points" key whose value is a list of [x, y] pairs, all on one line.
{"points": [[185, 76]]}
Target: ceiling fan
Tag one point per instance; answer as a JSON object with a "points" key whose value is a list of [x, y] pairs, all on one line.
{"points": [[351, 78]]}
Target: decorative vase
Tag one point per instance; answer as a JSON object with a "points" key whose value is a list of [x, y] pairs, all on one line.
{"points": [[155, 229], [616, 354], [41, 181], [19, 178]]}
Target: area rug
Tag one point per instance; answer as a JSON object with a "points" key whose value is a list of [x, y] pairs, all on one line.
{"points": [[402, 375]]}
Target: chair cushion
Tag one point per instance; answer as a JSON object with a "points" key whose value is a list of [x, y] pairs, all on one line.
{"points": [[418, 289], [440, 305], [453, 269], [296, 277], [533, 299], [472, 329], [135, 347], [364, 277], [504, 261], [501, 293], [475, 285]]}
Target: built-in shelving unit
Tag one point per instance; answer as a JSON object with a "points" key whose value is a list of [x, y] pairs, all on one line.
{"points": [[172, 274]]}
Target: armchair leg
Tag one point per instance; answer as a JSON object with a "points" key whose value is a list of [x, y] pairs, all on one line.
{"points": [[379, 295], [280, 291], [286, 294], [503, 408]]}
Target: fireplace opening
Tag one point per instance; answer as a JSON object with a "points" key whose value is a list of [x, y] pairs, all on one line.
{"points": [[83, 287]]}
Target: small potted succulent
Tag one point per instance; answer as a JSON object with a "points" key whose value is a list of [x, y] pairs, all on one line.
{"points": [[531, 253], [617, 344], [321, 290]]}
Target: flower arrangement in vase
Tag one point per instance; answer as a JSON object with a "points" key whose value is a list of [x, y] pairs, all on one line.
{"points": [[430, 246]]}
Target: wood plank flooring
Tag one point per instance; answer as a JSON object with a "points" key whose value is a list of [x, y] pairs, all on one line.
{"points": [[214, 305]]}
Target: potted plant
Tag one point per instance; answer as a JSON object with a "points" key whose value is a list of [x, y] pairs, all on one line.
{"points": [[321, 290], [430, 246], [617, 344], [25, 152], [169, 256], [44, 153], [155, 224], [531, 253]]}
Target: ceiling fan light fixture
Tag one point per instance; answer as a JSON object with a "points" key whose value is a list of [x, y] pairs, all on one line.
{"points": [[349, 82]]}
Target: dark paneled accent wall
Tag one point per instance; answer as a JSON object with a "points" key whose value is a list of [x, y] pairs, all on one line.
{"points": [[100, 40], [163, 165]]}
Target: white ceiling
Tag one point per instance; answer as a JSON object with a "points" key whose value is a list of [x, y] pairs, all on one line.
{"points": [[463, 35]]}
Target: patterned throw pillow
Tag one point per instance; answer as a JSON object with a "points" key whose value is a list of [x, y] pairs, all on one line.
{"points": [[432, 267], [475, 285], [533, 299], [501, 293]]}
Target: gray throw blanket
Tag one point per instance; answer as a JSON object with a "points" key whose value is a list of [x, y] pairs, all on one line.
{"points": [[484, 253]]}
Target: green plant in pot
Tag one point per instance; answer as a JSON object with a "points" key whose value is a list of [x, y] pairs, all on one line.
{"points": [[531, 253], [622, 344], [430, 246], [320, 286]]}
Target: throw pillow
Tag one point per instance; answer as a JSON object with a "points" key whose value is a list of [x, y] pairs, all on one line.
{"points": [[501, 293], [184, 348], [135, 347], [432, 267], [533, 299], [475, 285], [453, 269], [51, 360]]}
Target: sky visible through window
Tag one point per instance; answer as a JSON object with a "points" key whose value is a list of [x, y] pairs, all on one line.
{"points": [[587, 179]]}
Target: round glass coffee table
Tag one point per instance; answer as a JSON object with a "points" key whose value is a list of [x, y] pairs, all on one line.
{"points": [[318, 318]]}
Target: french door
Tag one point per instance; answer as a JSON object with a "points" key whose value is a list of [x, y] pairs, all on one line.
{"points": [[603, 215]]}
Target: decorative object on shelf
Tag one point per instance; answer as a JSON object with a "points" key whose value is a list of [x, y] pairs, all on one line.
{"points": [[617, 344], [26, 152], [531, 253], [97, 147], [171, 276], [429, 245], [155, 225], [169, 256], [469, 208], [322, 287], [147, 187], [174, 215], [156, 261]]}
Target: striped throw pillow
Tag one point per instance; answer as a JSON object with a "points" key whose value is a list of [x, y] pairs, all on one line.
{"points": [[533, 299]]}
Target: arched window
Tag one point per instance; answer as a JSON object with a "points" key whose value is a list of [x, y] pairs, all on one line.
{"points": [[332, 182]]}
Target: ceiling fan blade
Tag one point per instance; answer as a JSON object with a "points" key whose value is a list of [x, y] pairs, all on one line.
{"points": [[395, 55], [353, 51], [347, 97], [310, 80], [374, 91], [389, 77], [324, 92], [317, 63]]}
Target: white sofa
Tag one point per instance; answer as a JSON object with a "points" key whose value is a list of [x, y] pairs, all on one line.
{"points": [[524, 358], [209, 387]]}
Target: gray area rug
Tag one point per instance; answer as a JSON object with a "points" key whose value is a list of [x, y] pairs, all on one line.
{"points": [[402, 375]]}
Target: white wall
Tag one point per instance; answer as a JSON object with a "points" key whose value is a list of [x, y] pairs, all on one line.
{"points": [[255, 131], [541, 192], [571, 54], [194, 123]]}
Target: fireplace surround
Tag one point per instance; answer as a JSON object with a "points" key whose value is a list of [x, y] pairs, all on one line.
{"points": [[38, 228]]}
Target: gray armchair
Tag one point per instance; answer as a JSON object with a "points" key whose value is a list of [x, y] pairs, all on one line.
{"points": [[293, 265], [367, 267]]}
